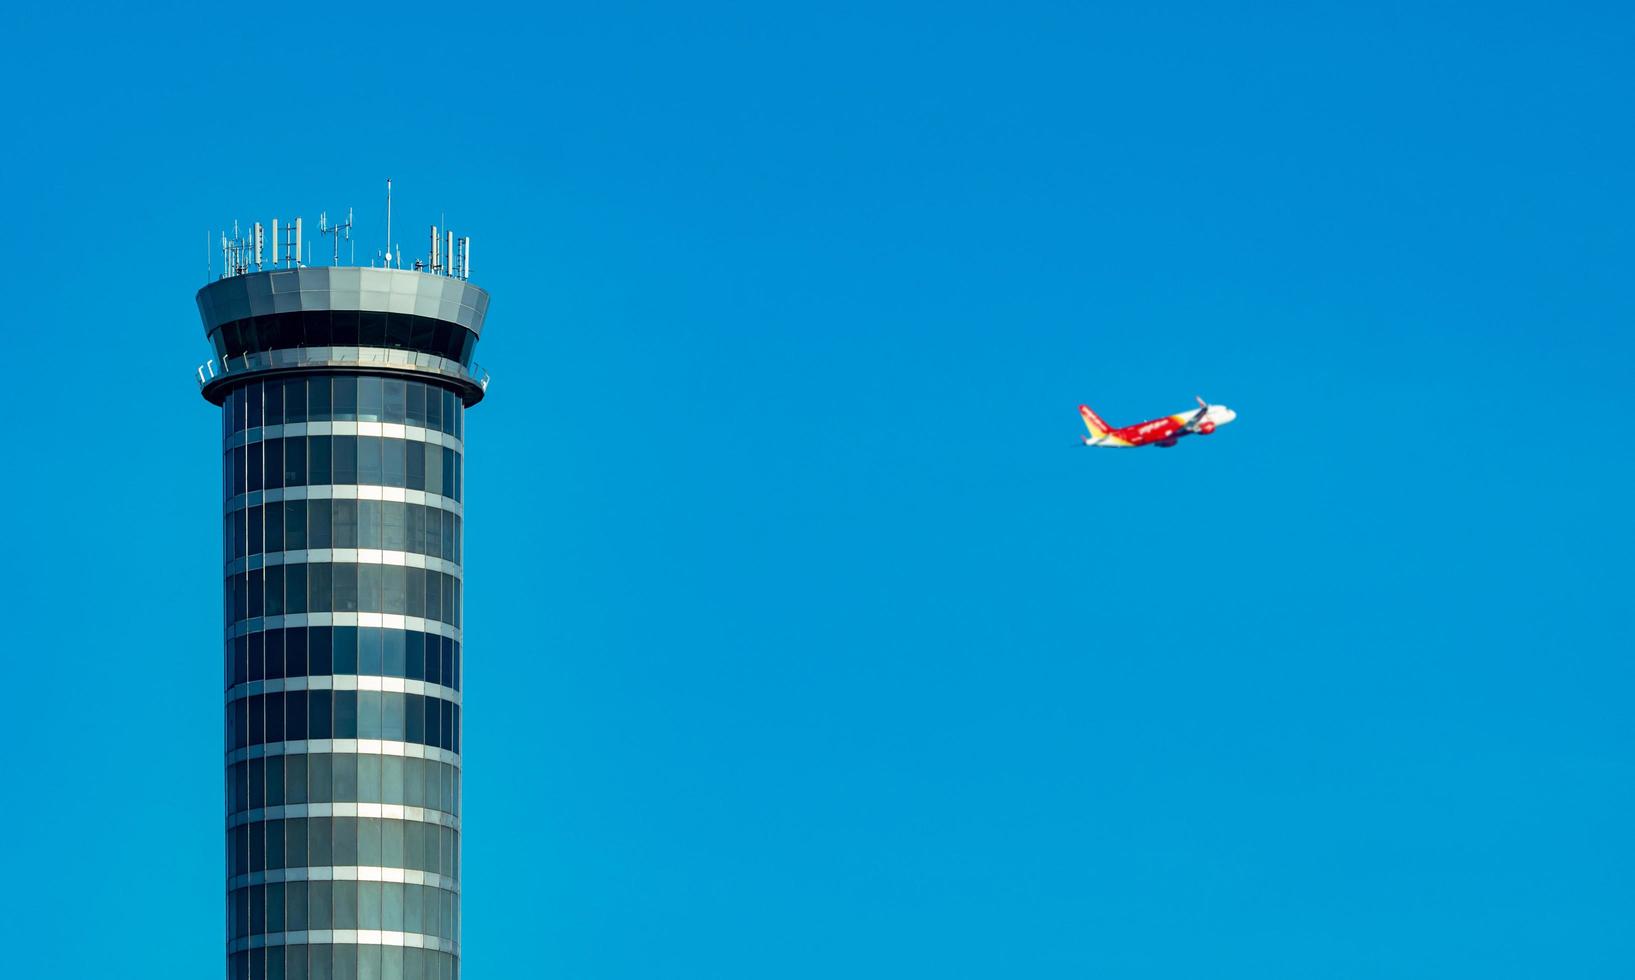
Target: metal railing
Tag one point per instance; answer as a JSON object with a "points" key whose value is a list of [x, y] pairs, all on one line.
{"points": [[213, 370]]}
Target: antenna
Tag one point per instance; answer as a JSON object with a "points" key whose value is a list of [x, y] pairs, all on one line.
{"points": [[465, 257], [339, 231], [435, 264], [275, 251], [389, 221], [298, 261], [260, 238]]}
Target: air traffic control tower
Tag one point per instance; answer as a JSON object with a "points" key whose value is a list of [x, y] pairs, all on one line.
{"points": [[343, 392]]}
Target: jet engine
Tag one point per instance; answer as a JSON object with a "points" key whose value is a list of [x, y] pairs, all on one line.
{"points": [[1206, 428]]}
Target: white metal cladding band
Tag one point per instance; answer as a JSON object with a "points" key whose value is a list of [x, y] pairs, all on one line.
{"points": [[345, 746], [342, 491], [345, 427], [396, 621], [382, 811], [383, 873], [348, 937], [343, 556], [342, 682]]}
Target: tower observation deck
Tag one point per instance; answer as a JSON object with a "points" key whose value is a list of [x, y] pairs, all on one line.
{"points": [[343, 392]]}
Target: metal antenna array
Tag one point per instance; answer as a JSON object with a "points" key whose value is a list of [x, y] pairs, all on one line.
{"points": [[339, 231], [453, 259], [449, 256], [241, 254], [288, 250]]}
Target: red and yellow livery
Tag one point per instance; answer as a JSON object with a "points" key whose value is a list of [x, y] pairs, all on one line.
{"points": [[1165, 431]]}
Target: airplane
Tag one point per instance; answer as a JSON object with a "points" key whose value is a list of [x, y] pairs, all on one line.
{"points": [[1164, 432]]}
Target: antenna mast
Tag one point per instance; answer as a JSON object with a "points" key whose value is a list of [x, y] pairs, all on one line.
{"points": [[388, 222], [340, 231]]}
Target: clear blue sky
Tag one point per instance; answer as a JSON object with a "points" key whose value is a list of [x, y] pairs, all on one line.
{"points": [[803, 638]]}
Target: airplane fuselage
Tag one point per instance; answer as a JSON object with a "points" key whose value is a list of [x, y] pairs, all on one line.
{"points": [[1165, 431]]}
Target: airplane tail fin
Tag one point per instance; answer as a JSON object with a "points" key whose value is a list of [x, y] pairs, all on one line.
{"points": [[1093, 422]]}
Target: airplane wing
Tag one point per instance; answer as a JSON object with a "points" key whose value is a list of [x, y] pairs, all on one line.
{"points": [[1197, 417]]}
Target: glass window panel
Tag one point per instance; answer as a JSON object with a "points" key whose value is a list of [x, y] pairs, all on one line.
{"points": [[273, 450], [318, 652], [391, 906], [320, 777], [320, 725], [275, 772], [320, 900], [397, 400], [346, 587], [392, 723], [295, 766], [345, 647], [415, 407], [257, 781], [369, 779], [369, 899], [415, 458], [414, 709], [295, 461], [346, 397], [369, 472], [295, 841], [295, 905], [370, 400], [252, 458], [273, 644], [391, 775], [295, 400], [274, 721], [295, 588], [252, 405], [394, 599], [394, 525], [346, 840], [369, 841], [257, 661], [343, 328], [369, 589], [369, 714], [393, 455], [274, 584], [320, 462], [295, 651], [369, 639], [346, 714], [320, 587], [320, 524], [369, 523], [255, 595], [346, 523], [346, 460], [295, 718], [393, 653], [275, 843], [273, 394], [318, 400], [295, 525], [273, 519], [346, 777], [434, 408]]}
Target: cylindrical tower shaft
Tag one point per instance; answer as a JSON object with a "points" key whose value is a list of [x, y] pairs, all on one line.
{"points": [[343, 393]]}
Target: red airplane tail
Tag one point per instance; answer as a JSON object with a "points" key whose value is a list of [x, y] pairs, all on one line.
{"points": [[1093, 422]]}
